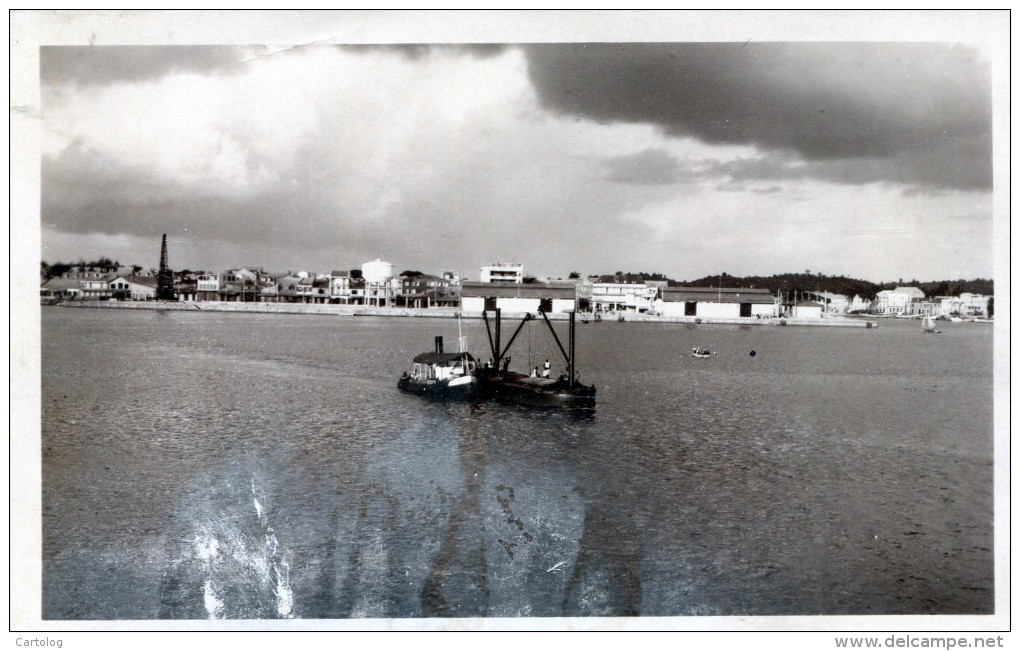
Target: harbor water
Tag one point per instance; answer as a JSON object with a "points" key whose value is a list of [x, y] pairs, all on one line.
{"points": [[237, 466]]}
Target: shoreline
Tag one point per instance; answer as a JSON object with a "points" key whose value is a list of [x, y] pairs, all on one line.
{"points": [[450, 313]]}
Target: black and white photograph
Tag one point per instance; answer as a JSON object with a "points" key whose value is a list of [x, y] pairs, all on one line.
{"points": [[503, 321]]}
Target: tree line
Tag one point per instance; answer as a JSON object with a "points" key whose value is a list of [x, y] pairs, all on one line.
{"points": [[793, 283], [60, 268]]}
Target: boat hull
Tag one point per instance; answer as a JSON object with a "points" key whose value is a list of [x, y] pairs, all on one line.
{"points": [[461, 388], [535, 392]]}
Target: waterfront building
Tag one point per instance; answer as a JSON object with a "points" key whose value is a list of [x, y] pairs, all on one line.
{"points": [[926, 307], [95, 288], [238, 285], [269, 292], [518, 298], [288, 288], [311, 289], [839, 303], [426, 290], [859, 304], [806, 310], [237, 276], [966, 304], [318, 292], [501, 272], [896, 301], [207, 287], [133, 288], [303, 288], [340, 287], [185, 286], [62, 288], [976, 305], [831, 303], [583, 292], [625, 297], [715, 302], [89, 284]]}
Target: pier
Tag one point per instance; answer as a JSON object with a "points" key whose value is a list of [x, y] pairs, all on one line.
{"points": [[452, 313]]}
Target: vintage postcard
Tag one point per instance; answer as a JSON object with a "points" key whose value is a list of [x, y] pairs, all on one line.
{"points": [[357, 320]]}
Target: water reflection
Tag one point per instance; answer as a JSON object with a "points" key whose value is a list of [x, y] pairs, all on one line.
{"points": [[457, 583], [513, 533], [528, 535], [606, 579]]}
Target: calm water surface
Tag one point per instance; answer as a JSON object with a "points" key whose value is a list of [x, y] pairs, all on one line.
{"points": [[203, 465]]}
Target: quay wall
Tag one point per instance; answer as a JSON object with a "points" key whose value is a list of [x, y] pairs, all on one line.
{"points": [[450, 313]]}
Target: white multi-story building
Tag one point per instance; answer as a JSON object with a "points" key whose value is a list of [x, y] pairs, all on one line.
{"points": [[499, 272], [95, 288], [631, 297], [966, 304], [896, 301], [207, 283], [340, 287]]}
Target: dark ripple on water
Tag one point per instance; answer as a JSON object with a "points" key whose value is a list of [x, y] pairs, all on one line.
{"points": [[264, 466]]}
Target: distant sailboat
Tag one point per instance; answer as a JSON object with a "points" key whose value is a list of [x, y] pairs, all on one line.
{"points": [[928, 326]]}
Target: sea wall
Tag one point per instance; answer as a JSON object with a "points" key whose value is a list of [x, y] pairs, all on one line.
{"points": [[450, 313]]}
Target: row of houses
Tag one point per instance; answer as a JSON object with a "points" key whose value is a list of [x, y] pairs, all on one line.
{"points": [[908, 301], [96, 286], [502, 286], [373, 284]]}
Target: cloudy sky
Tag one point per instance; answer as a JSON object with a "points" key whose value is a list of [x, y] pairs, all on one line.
{"points": [[869, 159]]}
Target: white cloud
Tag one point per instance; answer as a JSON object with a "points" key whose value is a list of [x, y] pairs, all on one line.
{"points": [[324, 157]]}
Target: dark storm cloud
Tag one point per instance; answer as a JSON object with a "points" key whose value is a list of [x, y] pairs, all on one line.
{"points": [[826, 102], [84, 192], [416, 51], [97, 65], [926, 170]]}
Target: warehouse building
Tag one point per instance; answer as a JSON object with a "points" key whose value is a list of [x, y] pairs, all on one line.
{"points": [[518, 298], [714, 302]]}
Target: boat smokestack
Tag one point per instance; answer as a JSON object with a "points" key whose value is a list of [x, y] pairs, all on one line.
{"points": [[439, 345]]}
